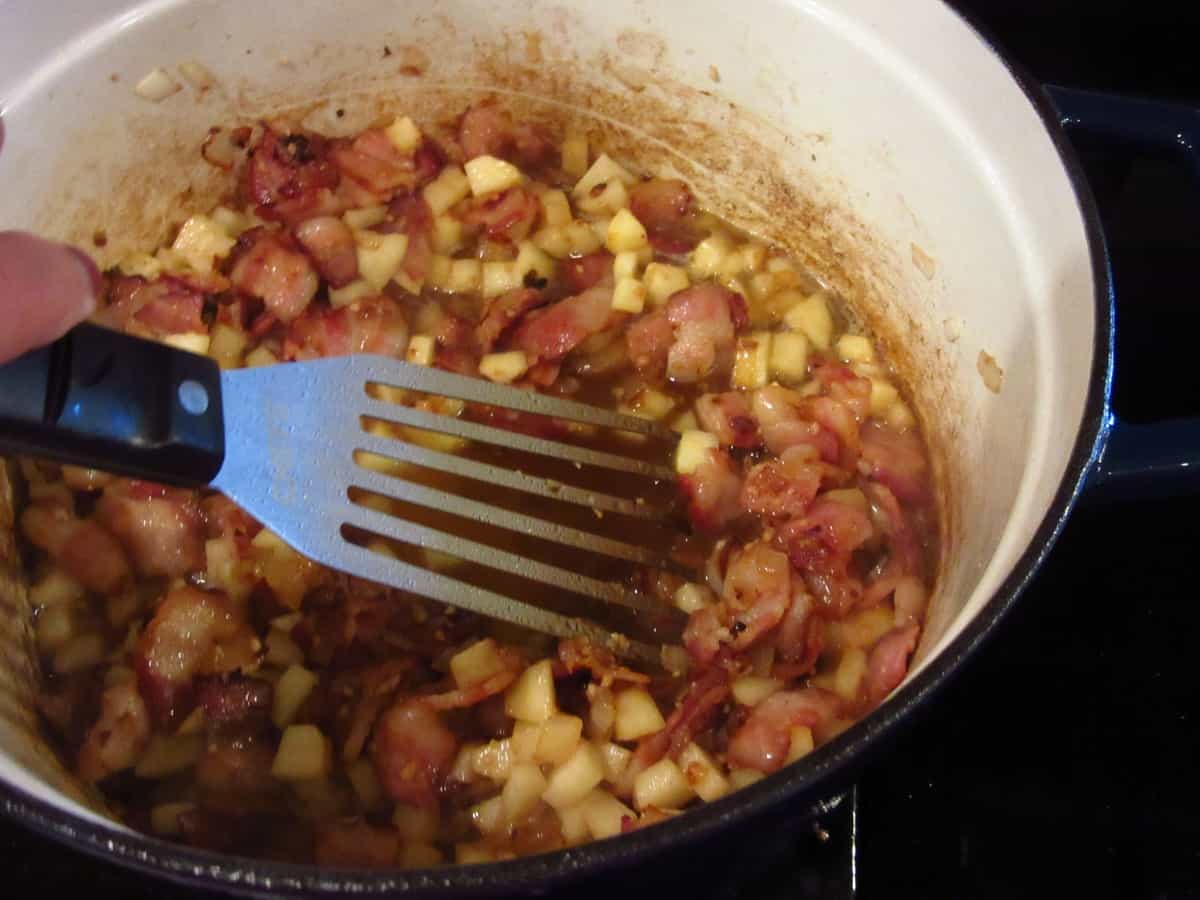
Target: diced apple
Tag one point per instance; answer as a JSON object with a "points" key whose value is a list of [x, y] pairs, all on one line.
{"points": [[404, 134], [900, 416], [648, 403], [476, 663], [583, 238], [556, 209], [703, 775], [488, 816], [282, 650], [379, 257], [79, 652], [55, 588], [575, 154], [662, 280], [740, 778], [232, 221], [500, 278], [227, 345], [603, 170], [164, 818], [811, 317], [693, 449], [53, 627], [855, 348], [848, 676], [304, 753], [494, 760], [532, 260], [612, 197], [463, 768], [629, 296], [848, 496], [859, 630], [625, 265], [465, 276], [801, 743], [437, 276], [421, 350], [570, 782], [691, 597], [685, 421], [554, 240], [466, 854], [789, 357], [637, 715], [708, 257], [262, 356], [532, 698], [489, 175], [625, 232], [450, 186], [616, 760], [751, 690], [662, 784], [192, 342], [142, 264], [604, 814], [200, 241], [447, 234], [883, 396], [504, 368], [572, 824], [752, 362], [522, 791], [293, 688], [558, 738], [366, 217], [168, 754], [415, 823], [365, 783]]}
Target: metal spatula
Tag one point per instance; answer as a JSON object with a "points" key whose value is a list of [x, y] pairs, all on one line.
{"points": [[286, 443]]}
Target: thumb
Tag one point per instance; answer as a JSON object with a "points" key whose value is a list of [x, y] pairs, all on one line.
{"points": [[45, 289]]}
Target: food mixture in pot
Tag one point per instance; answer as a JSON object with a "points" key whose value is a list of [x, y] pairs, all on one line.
{"points": [[223, 691]]}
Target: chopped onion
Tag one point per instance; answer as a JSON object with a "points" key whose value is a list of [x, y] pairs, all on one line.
{"points": [[157, 85]]}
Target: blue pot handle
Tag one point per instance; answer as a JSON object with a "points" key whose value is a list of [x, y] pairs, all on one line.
{"points": [[1161, 458]]}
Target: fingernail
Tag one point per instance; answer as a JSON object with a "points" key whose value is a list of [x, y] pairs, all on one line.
{"points": [[94, 277]]}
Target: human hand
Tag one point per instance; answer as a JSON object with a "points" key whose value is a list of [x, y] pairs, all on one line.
{"points": [[45, 289]]}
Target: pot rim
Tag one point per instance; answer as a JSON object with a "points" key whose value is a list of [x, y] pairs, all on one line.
{"points": [[807, 787]]}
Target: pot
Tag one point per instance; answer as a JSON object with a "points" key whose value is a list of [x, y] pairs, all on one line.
{"points": [[889, 146]]}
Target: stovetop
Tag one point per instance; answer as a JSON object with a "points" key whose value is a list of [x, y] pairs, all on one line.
{"points": [[1063, 756]]}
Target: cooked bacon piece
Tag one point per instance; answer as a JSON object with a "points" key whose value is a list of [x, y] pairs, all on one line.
{"points": [[375, 687], [119, 735], [693, 713], [167, 305], [705, 634], [580, 655], [80, 479], [888, 662], [763, 741], [728, 416], [193, 632], [824, 540], [844, 386], [780, 416], [904, 550], [582, 272], [233, 775], [270, 265], [85, 550], [713, 491], [369, 325], [428, 160], [663, 206], [234, 698], [800, 637], [836, 595], [555, 331], [896, 459], [837, 419], [160, 527], [224, 518], [330, 243], [758, 592], [373, 162], [501, 313], [649, 340], [783, 488], [412, 216], [485, 130], [508, 216], [706, 318], [411, 750], [356, 845], [290, 177]]}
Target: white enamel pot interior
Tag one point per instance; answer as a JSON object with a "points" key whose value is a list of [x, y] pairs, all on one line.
{"points": [[885, 143]]}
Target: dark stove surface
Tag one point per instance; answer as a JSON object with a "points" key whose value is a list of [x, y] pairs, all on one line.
{"points": [[1064, 757]]}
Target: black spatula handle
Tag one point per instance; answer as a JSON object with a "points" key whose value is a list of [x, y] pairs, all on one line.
{"points": [[106, 400]]}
